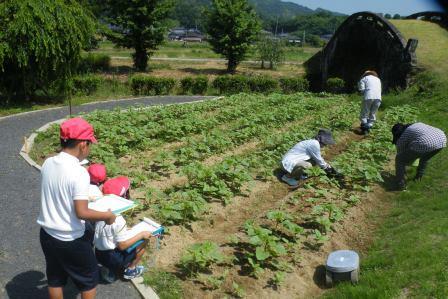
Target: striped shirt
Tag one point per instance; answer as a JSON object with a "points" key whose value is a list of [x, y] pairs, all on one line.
{"points": [[421, 138]]}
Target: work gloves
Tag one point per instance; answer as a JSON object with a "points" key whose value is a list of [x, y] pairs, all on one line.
{"points": [[333, 173]]}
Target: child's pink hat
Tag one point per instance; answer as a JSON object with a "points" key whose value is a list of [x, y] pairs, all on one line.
{"points": [[118, 186], [97, 173]]}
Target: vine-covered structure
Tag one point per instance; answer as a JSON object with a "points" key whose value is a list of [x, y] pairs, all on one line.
{"points": [[364, 41]]}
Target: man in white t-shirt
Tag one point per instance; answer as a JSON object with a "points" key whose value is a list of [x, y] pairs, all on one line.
{"points": [[370, 87], [64, 210]]}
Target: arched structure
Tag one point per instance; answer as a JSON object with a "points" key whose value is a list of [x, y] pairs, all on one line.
{"points": [[432, 16], [364, 41]]}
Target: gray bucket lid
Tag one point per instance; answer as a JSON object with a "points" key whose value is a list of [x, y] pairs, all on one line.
{"points": [[342, 261]]}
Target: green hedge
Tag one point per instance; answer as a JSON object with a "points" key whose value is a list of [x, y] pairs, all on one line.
{"points": [[263, 84], [146, 85], [194, 85], [229, 84], [294, 84], [335, 85], [85, 85], [94, 63]]}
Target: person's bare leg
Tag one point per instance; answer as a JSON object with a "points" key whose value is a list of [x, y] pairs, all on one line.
{"points": [[90, 294], [55, 293], [140, 251]]}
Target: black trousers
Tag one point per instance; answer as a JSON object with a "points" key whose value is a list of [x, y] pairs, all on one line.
{"points": [[406, 158]]}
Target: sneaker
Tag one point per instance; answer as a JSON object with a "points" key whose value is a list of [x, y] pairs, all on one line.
{"points": [[133, 273], [141, 268], [107, 275], [290, 181]]}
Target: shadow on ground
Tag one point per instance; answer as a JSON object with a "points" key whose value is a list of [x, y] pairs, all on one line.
{"points": [[32, 284]]}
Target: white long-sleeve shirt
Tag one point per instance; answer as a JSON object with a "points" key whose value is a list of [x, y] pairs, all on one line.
{"points": [[303, 151], [370, 86]]}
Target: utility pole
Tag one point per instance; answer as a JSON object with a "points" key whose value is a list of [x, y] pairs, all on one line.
{"points": [[303, 40], [276, 25]]}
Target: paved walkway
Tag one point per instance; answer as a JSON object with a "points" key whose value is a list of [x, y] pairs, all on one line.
{"points": [[22, 264]]}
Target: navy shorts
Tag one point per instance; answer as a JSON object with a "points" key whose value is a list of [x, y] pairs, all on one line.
{"points": [[115, 259], [74, 259]]}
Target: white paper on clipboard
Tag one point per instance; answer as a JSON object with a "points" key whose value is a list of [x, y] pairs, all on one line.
{"points": [[112, 202]]}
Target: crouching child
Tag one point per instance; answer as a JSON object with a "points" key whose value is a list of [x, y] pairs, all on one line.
{"points": [[113, 241]]}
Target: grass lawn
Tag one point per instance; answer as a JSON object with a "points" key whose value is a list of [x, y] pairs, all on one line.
{"points": [[176, 49], [409, 255]]}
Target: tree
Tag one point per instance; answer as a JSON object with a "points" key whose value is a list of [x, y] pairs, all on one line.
{"points": [[137, 24], [396, 16], [271, 50], [388, 16], [40, 44], [232, 25]]}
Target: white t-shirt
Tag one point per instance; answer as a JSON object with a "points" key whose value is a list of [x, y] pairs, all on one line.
{"points": [[94, 192], [108, 236], [303, 151], [370, 86], [63, 181]]}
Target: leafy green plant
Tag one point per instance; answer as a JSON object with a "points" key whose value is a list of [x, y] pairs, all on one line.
{"points": [[278, 279], [200, 256], [238, 291]]}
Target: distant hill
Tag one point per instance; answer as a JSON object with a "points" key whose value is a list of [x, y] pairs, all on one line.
{"points": [[189, 12], [275, 8]]}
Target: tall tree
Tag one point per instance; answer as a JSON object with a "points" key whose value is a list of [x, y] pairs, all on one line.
{"points": [[40, 44], [232, 25], [137, 24]]}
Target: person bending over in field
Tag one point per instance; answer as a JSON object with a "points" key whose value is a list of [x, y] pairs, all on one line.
{"points": [[303, 155], [415, 141], [370, 87], [112, 241]]}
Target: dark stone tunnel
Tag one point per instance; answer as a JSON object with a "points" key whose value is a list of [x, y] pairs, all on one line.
{"points": [[364, 41]]}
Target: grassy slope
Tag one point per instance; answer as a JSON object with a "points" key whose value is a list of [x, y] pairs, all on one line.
{"points": [[409, 256]]}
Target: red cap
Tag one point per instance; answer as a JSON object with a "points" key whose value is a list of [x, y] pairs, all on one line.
{"points": [[78, 129], [97, 173], [118, 186]]}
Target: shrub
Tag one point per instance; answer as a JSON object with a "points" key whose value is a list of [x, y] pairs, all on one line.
{"points": [[194, 85], [40, 44], [335, 85], [294, 84], [86, 85], [93, 63], [229, 84], [262, 84], [145, 85]]}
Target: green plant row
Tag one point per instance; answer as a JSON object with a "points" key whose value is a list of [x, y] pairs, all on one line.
{"points": [[274, 241], [227, 179]]}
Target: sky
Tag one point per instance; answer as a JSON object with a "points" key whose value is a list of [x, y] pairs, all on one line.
{"points": [[401, 7]]}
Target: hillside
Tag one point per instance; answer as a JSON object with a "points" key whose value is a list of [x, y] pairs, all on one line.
{"points": [[433, 42], [275, 8], [189, 13]]}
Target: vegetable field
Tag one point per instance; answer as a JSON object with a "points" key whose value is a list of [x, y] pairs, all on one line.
{"points": [[208, 171]]}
